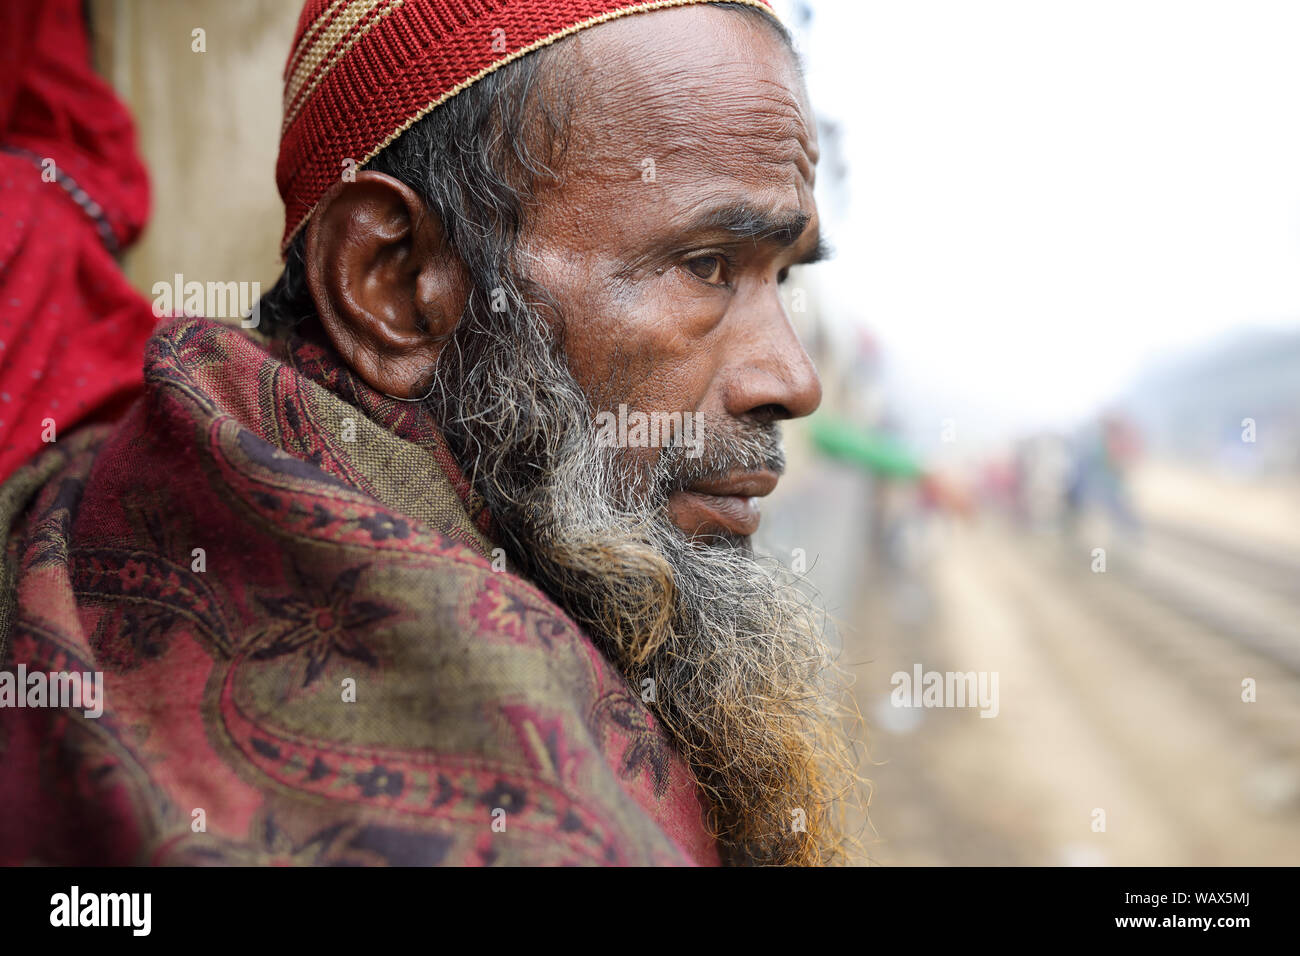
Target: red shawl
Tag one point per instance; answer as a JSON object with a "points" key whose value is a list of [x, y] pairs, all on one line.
{"points": [[259, 533]]}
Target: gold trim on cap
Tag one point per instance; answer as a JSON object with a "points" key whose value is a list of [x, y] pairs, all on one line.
{"points": [[320, 56]]}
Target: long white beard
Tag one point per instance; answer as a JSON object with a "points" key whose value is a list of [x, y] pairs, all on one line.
{"points": [[742, 676]]}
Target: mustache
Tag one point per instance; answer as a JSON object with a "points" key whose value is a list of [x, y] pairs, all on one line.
{"points": [[730, 448]]}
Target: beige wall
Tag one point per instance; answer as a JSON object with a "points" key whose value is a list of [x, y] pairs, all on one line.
{"points": [[209, 128]]}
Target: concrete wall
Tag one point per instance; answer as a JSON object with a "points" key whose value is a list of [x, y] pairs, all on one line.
{"points": [[209, 129]]}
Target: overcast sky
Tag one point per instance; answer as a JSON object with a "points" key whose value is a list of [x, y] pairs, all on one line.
{"points": [[1044, 194]]}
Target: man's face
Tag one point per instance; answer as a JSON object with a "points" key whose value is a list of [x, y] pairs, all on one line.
{"points": [[685, 196], [665, 292]]}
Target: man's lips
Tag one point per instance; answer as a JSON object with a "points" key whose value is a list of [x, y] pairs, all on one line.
{"points": [[728, 503]]}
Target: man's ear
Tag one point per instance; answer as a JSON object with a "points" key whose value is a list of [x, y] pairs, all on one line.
{"points": [[387, 288]]}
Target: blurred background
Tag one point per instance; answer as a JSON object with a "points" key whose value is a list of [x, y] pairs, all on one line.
{"points": [[1062, 328], [1060, 346]]}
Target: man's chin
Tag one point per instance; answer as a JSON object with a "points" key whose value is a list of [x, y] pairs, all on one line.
{"points": [[717, 538]]}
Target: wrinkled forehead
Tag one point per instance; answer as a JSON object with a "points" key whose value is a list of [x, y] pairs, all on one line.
{"points": [[703, 92]]}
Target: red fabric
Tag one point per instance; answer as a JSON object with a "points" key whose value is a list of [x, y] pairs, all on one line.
{"points": [[72, 330], [360, 71]]}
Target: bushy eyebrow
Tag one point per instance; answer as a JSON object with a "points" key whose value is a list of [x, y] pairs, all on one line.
{"points": [[742, 221]]}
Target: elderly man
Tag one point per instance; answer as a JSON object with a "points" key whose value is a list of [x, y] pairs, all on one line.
{"points": [[447, 561]]}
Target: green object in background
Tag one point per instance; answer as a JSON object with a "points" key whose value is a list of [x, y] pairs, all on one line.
{"points": [[877, 453]]}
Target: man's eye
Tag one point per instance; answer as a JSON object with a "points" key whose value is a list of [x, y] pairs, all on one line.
{"points": [[709, 268]]}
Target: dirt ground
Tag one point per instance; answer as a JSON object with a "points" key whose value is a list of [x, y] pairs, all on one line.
{"points": [[1120, 691]]}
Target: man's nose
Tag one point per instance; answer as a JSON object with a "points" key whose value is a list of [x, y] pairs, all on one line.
{"points": [[774, 378]]}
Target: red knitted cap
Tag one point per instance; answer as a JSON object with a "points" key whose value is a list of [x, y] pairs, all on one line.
{"points": [[360, 72]]}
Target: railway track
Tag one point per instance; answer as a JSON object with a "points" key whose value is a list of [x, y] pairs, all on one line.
{"points": [[1209, 615]]}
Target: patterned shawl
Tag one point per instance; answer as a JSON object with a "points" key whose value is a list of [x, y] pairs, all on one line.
{"points": [[307, 656]]}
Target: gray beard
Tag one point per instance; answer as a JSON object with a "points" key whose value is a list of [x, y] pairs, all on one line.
{"points": [[742, 677]]}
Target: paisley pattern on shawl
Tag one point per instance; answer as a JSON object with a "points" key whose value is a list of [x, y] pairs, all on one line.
{"points": [[308, 658]]}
